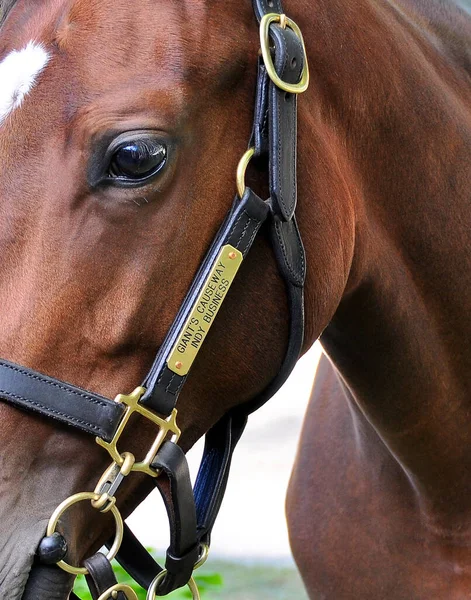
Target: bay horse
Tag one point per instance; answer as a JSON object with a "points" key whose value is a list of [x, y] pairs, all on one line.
{"points": [[92, 275]]}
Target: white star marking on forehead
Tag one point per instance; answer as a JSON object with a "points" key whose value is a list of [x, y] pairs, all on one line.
{"points": [[19, 71]]}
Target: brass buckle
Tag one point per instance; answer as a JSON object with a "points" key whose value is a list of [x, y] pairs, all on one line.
{"points": [[284, 21], [112, 592], [165, 426]]}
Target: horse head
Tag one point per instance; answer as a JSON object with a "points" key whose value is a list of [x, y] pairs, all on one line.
{"points": [[120, 132]]}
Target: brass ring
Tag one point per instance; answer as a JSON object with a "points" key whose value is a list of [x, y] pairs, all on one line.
{"points": [[241, 169], [267, 20], [151, 593], [56, 515], [119, 587], [203, 558]]}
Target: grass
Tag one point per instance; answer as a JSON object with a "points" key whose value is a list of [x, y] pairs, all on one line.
{"points": [[226, 580], [256, 582]]}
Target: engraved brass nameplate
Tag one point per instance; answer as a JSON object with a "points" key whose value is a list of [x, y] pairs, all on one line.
{"points": [[210, 299]]}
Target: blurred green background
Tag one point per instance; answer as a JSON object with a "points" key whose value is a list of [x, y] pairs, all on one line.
{"points": [[224, 580]]}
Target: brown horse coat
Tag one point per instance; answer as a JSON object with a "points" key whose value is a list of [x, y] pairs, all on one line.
{"points": [[92, 276]]}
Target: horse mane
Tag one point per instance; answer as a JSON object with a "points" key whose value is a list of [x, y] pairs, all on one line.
{"points": [[5, 6]]}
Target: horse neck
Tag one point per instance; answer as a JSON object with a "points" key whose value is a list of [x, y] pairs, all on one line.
{"points": [[394, 123]]}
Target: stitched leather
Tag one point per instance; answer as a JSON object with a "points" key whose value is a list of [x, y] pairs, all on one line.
{"points": [[177, 493], [289, 251], [282, 119], [221, 441], [213, 473], [174, 485], [262, 7], [295, 342], [259, 137], [239, 229], [62, 401]]}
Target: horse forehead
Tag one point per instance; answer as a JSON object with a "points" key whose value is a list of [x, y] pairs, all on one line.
{"points": [[114, 40], [116, 33], [120, 31], [19, 72]]}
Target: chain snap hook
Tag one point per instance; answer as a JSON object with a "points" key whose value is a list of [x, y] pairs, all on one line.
{"points": [[110, 481]]}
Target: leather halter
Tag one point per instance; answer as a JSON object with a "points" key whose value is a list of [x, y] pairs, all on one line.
{"points": [[192, 513]]}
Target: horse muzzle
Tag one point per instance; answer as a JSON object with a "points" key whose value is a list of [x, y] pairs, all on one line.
{"points": [[20, 577], [47, 583]]}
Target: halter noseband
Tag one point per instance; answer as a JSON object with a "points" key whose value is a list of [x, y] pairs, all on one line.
{"points": [[282, 74]]}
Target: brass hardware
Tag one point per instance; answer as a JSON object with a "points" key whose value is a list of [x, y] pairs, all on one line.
{"points": [[151, 593], [191, 584], [212, 295], [128, 464], [60, 510], [110, 481], [104, 503], [241, 169], [203, 557], [165, 426], [119, 587], [284, 21], [232, 255]]}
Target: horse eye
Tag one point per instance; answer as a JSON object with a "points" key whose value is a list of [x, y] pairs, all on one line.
{"points": [[138, 159]]}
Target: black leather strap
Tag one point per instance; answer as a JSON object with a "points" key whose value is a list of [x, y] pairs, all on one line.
{"points": [[101, 576], [209, 493], [263, 7], [221, 441], [260, 129], [239, 229], [62, 401], [289, 251], [275, 133], [213, 473], [282, 111], [174, 485]]}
